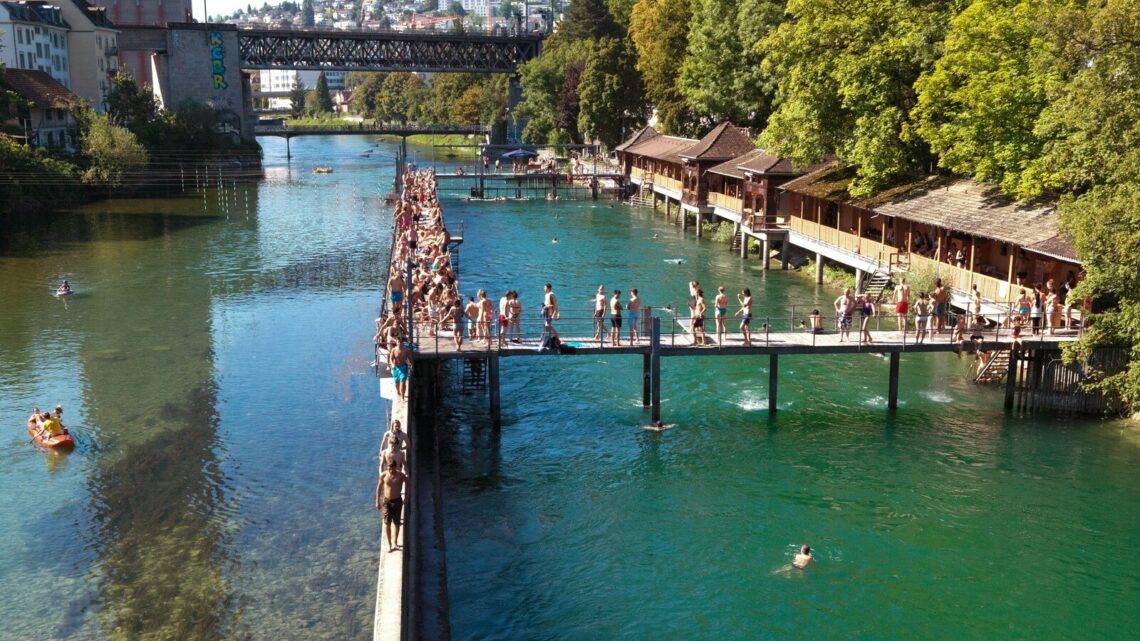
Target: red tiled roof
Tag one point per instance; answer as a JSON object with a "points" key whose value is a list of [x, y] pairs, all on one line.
{"points": [[666, 148], [722, 143], [762, 162], [40, 88], [643, 134]]}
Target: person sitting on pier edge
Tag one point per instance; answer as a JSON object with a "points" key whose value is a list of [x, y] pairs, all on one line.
{"points": [[390, 500], [816, 322]]}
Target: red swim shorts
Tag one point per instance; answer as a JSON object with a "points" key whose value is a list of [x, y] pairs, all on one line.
{"points": [[902, 307]]}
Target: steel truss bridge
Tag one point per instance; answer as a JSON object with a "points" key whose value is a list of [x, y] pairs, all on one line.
{"points": [[386, 50]]}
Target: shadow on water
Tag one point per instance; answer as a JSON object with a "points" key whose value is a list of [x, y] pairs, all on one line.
{"points": [[163, 551], [32, 235]]}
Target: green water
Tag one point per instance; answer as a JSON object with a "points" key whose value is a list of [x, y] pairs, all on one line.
{"points": [[946, 520], [214, 366]]}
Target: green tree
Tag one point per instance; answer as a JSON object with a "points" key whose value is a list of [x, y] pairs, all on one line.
{"points": [[429, 5], [456, 9], [467, 110], [543, 80], [324, 98], [660, 32], [127, 104], [715, 75], [587, 20], [611, 93], [111, 151], [297, 98], [978, 107], [846, 73], [366, 87], [621, 10], [402, 98], [446, 90], [568, 105], [307, 17]]}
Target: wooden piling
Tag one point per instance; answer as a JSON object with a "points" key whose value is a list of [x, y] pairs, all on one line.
{"points": [[646, 380], [766, 253], [893, 386], [773, 376], [1011, 378], [493, 389], [655, 369]]}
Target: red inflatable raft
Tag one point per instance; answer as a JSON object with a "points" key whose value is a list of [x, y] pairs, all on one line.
{"points": [[61, 442]]}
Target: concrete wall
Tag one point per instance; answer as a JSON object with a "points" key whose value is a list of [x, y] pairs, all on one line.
{"points": [[201, 63]]}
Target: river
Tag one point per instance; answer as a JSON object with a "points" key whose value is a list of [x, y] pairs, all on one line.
{"points": [[214, 364]]}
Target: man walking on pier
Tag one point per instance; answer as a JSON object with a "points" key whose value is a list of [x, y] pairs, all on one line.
{"points": [[400, 361], [902, 303], [390, 500]]}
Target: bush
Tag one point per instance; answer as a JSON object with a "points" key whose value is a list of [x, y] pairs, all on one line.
{"points": [[31, 180], [835, 276]]}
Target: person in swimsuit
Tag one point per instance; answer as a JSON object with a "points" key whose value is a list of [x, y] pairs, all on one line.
{"points": [[902, 303], [514, 316], [615, 319], [390, 500], [804, 558], [395, 288], [866, 311], [699, 309], [1023, 304], [599, 313], [745, 314], [941, 297], [486, 309], [720, 303], [921, 317], [472, 312], [844, 309], [504, 321], [816, 322], [400, 361], [634, 308], [550, 311]]}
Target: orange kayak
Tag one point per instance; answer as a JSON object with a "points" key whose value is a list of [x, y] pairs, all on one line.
{"points": [[61, 442]]}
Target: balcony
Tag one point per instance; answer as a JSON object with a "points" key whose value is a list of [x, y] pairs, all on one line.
{"points": [[724, 201], [658, 180]]}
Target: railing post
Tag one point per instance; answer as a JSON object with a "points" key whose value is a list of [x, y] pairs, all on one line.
{"points": [[773, 377], [893, 385]]}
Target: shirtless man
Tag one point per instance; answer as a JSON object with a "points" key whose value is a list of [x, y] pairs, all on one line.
{"points": [[844, 310], [921, 317], [389, 499], [472, 312], [483, 324], [455, 314], [514, 317], [720, 303], [400, 361], [745, 314], [393, 458], [615, 319], [693, 287], [395, 288], [634, 309], [902, 303], [803, 558], [940, 296], [699, 309], [504, 317], [550, 311], [599, 313]]}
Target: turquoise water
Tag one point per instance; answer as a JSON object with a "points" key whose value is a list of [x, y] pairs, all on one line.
{"points": [[214, 366], [946, 520]]}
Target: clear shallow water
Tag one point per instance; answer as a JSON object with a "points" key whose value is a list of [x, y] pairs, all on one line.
{"points": [[214, 366], [947, 520]]}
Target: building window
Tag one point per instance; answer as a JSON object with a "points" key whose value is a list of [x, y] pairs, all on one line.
{"points": [[39, 50], [20, 36], [21, 59], [100, 64], [99, 42]]}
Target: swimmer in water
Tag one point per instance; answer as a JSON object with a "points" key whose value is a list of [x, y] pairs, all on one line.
{"points": [[804, 557], [655, 236], [554, 241]]}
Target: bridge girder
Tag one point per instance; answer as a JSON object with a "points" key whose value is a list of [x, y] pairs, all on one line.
{"points": [[385, 51]]}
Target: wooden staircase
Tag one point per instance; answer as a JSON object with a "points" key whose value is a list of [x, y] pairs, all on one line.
{"points": [[995, 369], [875, 285], [737, 238]]}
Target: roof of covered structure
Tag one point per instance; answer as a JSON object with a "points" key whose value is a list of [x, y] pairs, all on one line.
{"points": [[724, 142]]}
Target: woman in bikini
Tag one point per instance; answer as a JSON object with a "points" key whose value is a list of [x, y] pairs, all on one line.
{"points": [[921, 317], [721, 304]]}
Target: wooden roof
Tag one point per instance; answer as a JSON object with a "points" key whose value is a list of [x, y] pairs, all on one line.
{"points": [[722, 143], [730, 167], [40, 88], [957, 204], [661, 147], [762, 162], [641, 135], [1055, 247]]}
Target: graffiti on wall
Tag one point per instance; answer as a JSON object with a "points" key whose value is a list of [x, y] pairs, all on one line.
{"points": [[217, 60]]}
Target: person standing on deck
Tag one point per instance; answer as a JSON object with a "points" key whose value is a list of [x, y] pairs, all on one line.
{"points": [[400, 362], [600, 313], [634, 307], [504, 317], [976, 299], [921, 318], [866, 311], [472, 311], [844, 308], [721, 311], [390, 500], [745, 314], [486, 308], [395, 289], [902, 303], [699, 309], [615, 319], [550, 311], [941, 297], [514, 316]]}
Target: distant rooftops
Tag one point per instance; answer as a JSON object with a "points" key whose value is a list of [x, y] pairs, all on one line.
{"points": [[36, 12], [41, 89]]}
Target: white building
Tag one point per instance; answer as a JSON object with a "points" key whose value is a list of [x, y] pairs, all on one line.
{"points": [[33, 36], [478, 7], [281, 80], [94, 49]]}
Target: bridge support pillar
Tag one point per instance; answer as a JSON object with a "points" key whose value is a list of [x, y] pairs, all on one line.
{"points": [[773, 377], [765, 253], [858, 280], [493, 388], [683, 215], [655, 369], [646, 380], [819, 269], [1011, 378], [785, 258], [743, 243], [893, 386]]}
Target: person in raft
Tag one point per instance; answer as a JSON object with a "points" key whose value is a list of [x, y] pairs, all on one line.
{"points": [[390, 501], [804, 557]]}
